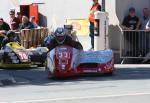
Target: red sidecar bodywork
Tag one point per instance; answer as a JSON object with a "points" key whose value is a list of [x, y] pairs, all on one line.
{"points": [[65, 61]]}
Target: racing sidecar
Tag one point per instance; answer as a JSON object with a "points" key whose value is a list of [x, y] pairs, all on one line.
{"points": [[66, 61], [13, 55]]}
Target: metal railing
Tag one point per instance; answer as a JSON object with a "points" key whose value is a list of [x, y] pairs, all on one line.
{"points": [[135, 44]]}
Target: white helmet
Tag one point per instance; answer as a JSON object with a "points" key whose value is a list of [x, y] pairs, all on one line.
{"points": [[60, 35]]}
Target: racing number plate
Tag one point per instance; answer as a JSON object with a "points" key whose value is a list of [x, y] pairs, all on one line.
{"points": [[23, 56], [63, 56]]}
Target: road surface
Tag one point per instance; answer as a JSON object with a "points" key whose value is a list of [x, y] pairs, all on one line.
{"points": [[127, 85]]}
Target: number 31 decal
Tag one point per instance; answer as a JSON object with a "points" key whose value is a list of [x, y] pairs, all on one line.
{"points": [[63, 55]]}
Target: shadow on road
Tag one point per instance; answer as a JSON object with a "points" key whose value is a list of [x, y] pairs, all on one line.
{"points": [[39, 76]]}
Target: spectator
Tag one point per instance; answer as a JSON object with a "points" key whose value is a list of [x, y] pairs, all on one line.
{"points": [[14, 22], [148, 25], [147, 41], [144, 41], [93, 24], [131, 22], [32, 20], [3, 26], [19, 16], [145, 18], [26, 24]]}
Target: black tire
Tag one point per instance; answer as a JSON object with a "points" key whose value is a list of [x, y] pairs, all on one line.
{"points": [[109, 74]]}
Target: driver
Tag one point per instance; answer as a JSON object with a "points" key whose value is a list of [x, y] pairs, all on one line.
{"points": [[10, 37], [60, 38]]}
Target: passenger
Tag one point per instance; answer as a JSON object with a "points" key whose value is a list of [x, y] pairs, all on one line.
{"points": [[61, 38], [14, 22], [32, 20], [26, 24], [10, 37], [131, 22]]}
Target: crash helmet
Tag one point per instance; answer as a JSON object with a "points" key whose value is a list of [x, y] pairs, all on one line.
{"points": [[11, 36], [60, 35]]}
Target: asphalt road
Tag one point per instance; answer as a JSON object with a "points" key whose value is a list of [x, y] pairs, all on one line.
{"points": [[127, 85]]}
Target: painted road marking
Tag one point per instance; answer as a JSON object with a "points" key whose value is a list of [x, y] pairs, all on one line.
{"points": [[76, 98]]}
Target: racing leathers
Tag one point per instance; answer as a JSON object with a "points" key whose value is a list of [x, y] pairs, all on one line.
{"points": [[52, 43]]}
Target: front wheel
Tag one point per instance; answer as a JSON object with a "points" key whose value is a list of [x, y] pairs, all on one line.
{"points": [[110, 73]]}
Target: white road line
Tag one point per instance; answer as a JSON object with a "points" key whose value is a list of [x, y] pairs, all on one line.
{"points": [[76, 98], [132, 66]]}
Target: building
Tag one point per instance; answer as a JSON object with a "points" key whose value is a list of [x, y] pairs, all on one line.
{"points": [[50, 11], [117, 9]]}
